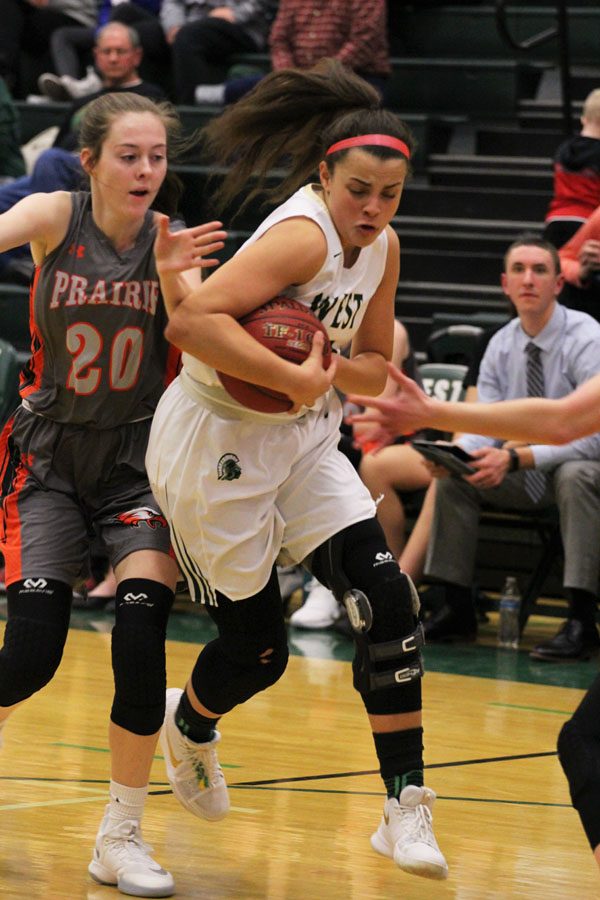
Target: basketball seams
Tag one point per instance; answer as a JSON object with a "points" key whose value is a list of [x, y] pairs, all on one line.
{"points": [[262, 324]]}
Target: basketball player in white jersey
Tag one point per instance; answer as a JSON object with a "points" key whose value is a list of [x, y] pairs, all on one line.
{"points": [[244, 490]]}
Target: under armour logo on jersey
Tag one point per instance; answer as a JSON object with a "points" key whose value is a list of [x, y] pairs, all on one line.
{"points": [[228, 467], [382, 558], [35, 584], [137, 599], [143, 515], [77, 250]]}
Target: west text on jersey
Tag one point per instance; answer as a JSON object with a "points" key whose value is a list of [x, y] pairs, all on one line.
{"points": [[340, 312]]}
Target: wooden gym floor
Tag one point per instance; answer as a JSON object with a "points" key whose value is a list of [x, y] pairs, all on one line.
{"points": [[302, 773]]}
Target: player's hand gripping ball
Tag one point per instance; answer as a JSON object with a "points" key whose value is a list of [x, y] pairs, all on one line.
{"points": [[287, 328]]}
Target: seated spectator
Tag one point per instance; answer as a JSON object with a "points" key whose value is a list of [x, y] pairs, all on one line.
{"points": [[546, 351], [204, 34], [320, 608], [393, 470], [117, 56], [27, 25], [305, 32], [580, 263], [576, 177], [12, 164], [70, 45]]}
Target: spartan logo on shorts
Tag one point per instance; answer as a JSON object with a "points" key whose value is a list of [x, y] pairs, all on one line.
{"points": [[143, 515], [228, 467]]}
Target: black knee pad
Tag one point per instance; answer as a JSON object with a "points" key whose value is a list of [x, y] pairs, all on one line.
{"points": [[138, 655], [387, 664], [34, 638], [250, 654]]}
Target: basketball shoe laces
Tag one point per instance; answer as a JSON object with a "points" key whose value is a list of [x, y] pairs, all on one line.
{"points": [[416, 823], [126, 843], [203, 763]]}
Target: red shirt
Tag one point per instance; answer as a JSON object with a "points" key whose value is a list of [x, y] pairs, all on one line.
{"points": [[569, 252], [352, 31]]}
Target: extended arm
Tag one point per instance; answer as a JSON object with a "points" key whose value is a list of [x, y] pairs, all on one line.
{"points": [[541, 420]]}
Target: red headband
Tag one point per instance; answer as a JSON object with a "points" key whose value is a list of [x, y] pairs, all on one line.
{"points": [[373, 140]]}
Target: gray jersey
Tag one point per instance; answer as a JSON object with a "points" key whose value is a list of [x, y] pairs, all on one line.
{"points": [[99, 356]]}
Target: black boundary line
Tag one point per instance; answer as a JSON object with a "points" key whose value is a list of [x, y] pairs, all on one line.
{"points": [[446, 765], [299, 778]]}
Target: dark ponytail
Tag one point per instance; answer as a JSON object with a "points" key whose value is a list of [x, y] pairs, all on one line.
{"points": [[288, 120]]}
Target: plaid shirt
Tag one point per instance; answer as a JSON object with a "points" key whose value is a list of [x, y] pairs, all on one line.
{"points": [[353, 31]]}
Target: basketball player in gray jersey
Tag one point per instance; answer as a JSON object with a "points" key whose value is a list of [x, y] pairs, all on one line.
{"points": [[72, 456]]}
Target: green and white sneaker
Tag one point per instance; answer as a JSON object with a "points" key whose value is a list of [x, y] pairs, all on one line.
{"points": [[122, 858], [405, 833], [193, 769]]}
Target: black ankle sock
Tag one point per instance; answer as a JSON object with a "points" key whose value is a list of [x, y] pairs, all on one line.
{"points": [[582, 606], [192, 724], [400, 755]]}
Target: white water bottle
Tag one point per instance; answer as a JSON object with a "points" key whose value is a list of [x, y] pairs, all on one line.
{"points": [[510, 608]]}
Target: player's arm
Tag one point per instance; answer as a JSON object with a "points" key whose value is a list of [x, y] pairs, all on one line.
{"points": [[39, 219], [372, 346], [205, 323], [528, 419]]}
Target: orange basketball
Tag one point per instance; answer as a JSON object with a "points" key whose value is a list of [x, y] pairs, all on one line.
{"points": [[287, 328]]}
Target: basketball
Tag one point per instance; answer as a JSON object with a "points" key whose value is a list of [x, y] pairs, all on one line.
{"points": [[287, 328]]}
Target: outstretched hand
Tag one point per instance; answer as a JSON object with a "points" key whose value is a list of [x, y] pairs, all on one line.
{"points": [[178, 251], [403, 413]]}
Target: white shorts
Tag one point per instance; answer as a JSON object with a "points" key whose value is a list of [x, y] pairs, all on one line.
{"points": [[242, 494]]}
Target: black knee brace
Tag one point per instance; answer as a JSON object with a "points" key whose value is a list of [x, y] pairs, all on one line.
{"points": [[250, 654], [382, 605], [35, 635], [138, 654]]}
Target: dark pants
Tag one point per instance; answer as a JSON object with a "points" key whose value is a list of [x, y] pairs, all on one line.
{"points": [[26, 28], [202, 52], [72, 47], [237, 87]]}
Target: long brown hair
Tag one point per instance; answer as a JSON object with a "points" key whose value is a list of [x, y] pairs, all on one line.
{"points": [[98, 117], [289, 120]]}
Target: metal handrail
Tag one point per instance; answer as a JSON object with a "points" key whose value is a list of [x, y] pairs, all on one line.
{"points": [[561, 32]]}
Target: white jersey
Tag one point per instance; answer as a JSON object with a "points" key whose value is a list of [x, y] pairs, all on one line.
{"points": [[242, 489], [337, 295]]}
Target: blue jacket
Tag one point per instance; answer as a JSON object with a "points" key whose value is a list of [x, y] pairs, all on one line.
{"points": [[106, 6]]}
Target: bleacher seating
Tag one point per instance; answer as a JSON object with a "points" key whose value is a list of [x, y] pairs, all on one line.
{"points": [[487, 118], [14, 318]]}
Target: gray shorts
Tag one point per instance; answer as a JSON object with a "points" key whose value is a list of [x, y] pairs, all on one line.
{"points": [[65, 486]]}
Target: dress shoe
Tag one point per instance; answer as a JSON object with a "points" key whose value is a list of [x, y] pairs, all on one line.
{"points": [[449, 624], [571, 642]]}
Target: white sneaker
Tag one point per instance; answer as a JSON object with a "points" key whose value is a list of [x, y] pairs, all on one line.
{"points": [[193, 769], [123, 859], [209, 94], [52, 87], [319, 610], [405, 833], [81, 87]]}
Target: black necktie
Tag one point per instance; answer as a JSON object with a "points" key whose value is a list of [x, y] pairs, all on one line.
{"points": [[535, 482]]}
